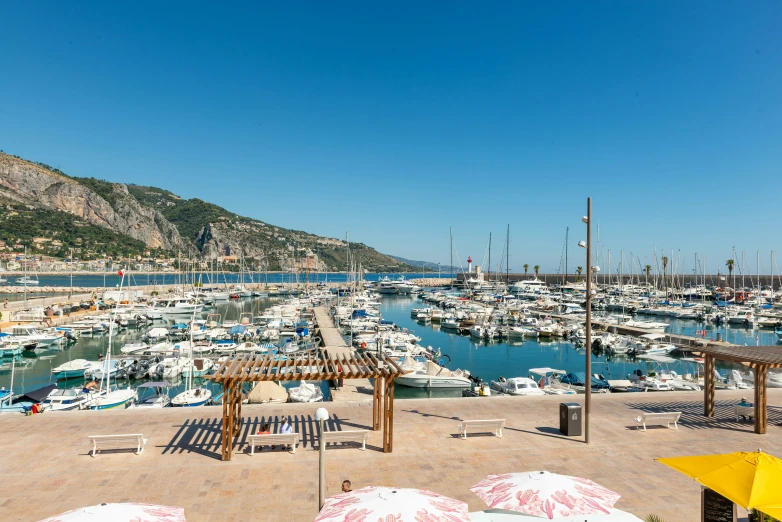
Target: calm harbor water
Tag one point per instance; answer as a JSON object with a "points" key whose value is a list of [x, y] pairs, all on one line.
{"points": [[487, 361]]}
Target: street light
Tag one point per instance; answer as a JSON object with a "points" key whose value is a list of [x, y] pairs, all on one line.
{"points": [[587, 220], [321, 414]]}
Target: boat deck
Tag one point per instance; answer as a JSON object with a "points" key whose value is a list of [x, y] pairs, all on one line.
{"points": [[48, 470]]}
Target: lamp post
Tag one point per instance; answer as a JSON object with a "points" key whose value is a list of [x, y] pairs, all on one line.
{"points": [[321, 414], [588, 363]]}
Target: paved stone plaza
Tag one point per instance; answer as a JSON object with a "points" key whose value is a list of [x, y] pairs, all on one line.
{"points": [[47, 470]]}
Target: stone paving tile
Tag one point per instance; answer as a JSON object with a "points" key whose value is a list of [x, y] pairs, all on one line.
{"points": [[45, 457]]}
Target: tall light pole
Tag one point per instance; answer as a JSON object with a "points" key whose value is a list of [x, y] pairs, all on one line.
{"points": [[588, 363], [321, 414]]}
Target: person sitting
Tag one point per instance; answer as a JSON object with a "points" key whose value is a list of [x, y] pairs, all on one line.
{"points": [[744, 403], [90, 385], [265, 431], [286, 428], [346, 486]]}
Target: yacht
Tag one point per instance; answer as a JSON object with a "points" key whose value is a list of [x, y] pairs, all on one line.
{"points": [[530, 286], [32, 333], [64, 399], [178, 306], [26, 281], [386, 286]]}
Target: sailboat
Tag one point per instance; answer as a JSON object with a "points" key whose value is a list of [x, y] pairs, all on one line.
{"points": [[197, 396], [25, 280], [118, 397]]}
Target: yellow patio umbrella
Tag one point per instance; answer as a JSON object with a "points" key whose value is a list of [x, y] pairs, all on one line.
{"points": [[751, 480], [772, 511]]}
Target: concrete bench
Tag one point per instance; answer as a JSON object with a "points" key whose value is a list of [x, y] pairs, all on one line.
{"points": [[744, 411], [659, 419], [482, 426], [124, 441], [269, 439], [357, 436]]}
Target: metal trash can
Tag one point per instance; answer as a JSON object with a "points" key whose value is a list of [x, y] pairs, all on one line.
{"points": [[570, 419]]}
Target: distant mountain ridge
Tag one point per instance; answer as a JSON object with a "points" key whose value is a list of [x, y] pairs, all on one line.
{"points": [[140, 218], [427, 265]]}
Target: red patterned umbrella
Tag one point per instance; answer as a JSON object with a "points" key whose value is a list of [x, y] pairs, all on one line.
{"points": [[392, 505], [544, 494]]}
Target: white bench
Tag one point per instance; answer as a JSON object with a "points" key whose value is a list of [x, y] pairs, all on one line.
{"points": [[744, 411], [269, 439], [125, 441], [482, 426], [357, 436], [659, 419]]}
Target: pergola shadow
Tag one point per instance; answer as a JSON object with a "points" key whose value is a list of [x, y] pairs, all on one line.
{"points": [[204, 436], [692, 414]]}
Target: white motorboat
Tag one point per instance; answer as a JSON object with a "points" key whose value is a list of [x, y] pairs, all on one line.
{"points": [[133, 348], [26, 281], [32, 333], [64, 399], [517, 386], [549, 381], [432, 375], [198, 367], [158, 398], [649, 326], [168, 368], [305, 393], [74, 368]]}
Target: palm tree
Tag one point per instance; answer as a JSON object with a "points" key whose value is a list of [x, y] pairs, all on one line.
{"points": [[578, 271], [729, 263], [647, 269], [536, 268], [526, 268]]}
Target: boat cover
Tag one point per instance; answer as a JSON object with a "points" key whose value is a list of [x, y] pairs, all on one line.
{"points": [[267, 391], [37, 395]]}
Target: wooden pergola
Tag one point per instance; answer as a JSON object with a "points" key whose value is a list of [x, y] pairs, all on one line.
{"points": [[759, 358], [317, 366]]}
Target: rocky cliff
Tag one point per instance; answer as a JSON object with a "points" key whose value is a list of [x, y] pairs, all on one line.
{"points": [[36, 185]]}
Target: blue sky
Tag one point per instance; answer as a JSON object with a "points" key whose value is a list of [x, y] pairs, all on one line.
{"points": [[395, 121]]}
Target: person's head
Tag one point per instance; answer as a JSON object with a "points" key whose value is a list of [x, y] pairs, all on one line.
{"points": [[285, 420], [265, 427], [743, 399], [345, 485]]}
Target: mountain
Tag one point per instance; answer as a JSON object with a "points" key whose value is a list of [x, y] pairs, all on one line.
{"points": [[50, 212], [428, 265]]}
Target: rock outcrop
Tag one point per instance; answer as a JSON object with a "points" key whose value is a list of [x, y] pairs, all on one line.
{"points": [[32, 184]]}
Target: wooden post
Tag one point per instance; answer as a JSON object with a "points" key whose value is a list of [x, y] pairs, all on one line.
{"points": [[377, 403], [388, 417], [708, 388], [761, 373], [225, 422]]}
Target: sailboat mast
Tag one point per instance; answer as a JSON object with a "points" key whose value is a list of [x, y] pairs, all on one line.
{"points": [[507, 256], [450, 231], [564, 276], [489, 257]]}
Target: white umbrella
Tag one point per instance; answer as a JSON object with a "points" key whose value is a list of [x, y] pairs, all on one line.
{"points": [[397, 504], [130, 512], [500, 515], [546, 495]]}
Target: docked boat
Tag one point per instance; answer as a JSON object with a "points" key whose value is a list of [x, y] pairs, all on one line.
{"points": [[157, 398], [116, 398], [517, 386], [306, 392], [65, 399], [267, 392], [74, 368], [192, 397], [431, 375]]}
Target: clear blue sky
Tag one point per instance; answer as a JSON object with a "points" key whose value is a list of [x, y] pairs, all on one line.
{"points": [[394, 121]]}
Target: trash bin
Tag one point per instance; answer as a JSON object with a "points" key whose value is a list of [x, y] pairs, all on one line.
{"points": [[570, 419]]}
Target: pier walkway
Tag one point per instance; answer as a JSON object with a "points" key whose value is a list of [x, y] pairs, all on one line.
{"points": [[331, 339], [45, 457]]}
